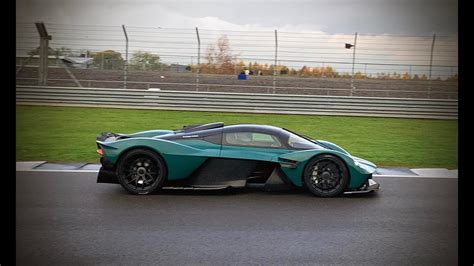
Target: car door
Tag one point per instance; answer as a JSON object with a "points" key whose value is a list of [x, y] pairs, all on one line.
{"points": [[252, 145]]}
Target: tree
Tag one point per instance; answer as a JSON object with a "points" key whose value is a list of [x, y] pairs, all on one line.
{"points": [[220, 60], [406, 76], [283, 70], [145, 61], [305, 71], [241, 66], [108, 59], [329, 72], [224, 57], [359, 75], [316, 72], [453, 78]]}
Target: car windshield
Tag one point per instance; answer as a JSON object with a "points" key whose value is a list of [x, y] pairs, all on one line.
{"points": [[300, 142]]}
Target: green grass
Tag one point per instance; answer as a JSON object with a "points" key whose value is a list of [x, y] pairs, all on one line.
{"points": [[67, 134]]}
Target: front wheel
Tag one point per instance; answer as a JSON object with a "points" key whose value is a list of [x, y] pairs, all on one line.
{"points": [[141, 171], [326, 176]]}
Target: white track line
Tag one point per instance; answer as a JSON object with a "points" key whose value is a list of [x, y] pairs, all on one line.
{"points": [[58, 170], [415, 176]]}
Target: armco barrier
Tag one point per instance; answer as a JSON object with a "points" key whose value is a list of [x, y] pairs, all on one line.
{"points": [[237, 102]]}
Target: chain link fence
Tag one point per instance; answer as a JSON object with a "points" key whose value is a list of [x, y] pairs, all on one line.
{"points": [[308, 63]]}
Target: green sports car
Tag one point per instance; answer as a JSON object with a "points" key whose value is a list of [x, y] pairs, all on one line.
{"points": [[214, 156]]}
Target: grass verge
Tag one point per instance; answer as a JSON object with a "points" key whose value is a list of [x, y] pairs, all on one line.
{"points": [[67, 134]]}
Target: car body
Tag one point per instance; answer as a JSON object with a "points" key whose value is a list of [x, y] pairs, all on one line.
{"points": [[216, 156]]}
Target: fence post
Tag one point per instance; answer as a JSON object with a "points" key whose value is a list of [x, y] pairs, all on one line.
{"points": [[198, 59], [431, 65], [276, 58], [353, 64], [43, 53], [125, 66]]}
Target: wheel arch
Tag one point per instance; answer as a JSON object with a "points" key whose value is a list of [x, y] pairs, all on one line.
{"points": [[322, 154], [142, 147]]}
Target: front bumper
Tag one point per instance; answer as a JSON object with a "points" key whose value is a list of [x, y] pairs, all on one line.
{"points": [[369, 186]]}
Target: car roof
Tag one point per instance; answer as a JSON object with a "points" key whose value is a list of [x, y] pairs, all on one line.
{"points": [[231, 128], [253, 127]]}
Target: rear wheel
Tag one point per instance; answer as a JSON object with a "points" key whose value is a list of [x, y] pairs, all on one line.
{"points": [[141, 171], [326, 176]]}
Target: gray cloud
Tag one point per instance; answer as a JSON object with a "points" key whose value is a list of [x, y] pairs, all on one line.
{"points": [[336, 16]]}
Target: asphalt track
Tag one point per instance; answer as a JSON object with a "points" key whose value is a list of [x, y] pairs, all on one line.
{"points": [[68, 219]]}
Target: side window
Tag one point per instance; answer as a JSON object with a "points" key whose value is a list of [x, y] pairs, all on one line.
{"points": [[253, 139], [216, 138]]}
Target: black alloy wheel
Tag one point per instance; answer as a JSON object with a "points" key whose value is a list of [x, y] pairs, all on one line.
{"points": [[141, 171], [326, 176]]}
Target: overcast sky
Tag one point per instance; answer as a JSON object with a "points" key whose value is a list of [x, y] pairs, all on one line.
{"points": [[412, 17]]}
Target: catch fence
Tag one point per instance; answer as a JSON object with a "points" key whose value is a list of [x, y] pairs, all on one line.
{"points": [[198, 59]]}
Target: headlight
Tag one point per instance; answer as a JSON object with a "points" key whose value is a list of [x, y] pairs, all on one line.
{"points": [[367, 168]]}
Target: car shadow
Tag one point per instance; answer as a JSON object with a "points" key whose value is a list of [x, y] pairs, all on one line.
{"points": [[237, 191], [241, 191]]}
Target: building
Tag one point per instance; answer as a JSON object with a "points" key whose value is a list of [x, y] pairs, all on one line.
{"points": [[78, 62], [179, 68]]}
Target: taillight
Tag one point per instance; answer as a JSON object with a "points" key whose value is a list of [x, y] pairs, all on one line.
{"points": [[100, 151]]}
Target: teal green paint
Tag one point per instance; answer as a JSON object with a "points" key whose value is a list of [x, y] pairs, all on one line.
{"points": [[110, 152], [181, 166], [114, 149], [358, 174], [295, 174], [184, 156], [181, 159], [150, 133], [332, 146], [252, 153], [208, 148], [358, 177]]}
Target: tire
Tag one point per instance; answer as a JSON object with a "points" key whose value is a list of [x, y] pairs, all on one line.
{"points": [[141, 171], [326, 176]]}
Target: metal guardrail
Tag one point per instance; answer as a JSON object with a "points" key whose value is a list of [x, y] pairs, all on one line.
{"points": [[238, 102], [206, 86]]}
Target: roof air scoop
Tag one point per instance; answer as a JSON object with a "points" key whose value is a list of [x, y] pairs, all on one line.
{"points": [[191, 128]]}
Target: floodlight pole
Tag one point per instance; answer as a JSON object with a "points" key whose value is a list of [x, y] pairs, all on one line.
{"points": [[276, 58], [353, 64], [431, 64], [125, 66], [43, 53], [199, 59]]}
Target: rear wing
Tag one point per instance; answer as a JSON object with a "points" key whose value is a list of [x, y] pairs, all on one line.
{"points": [[109, 136]]}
